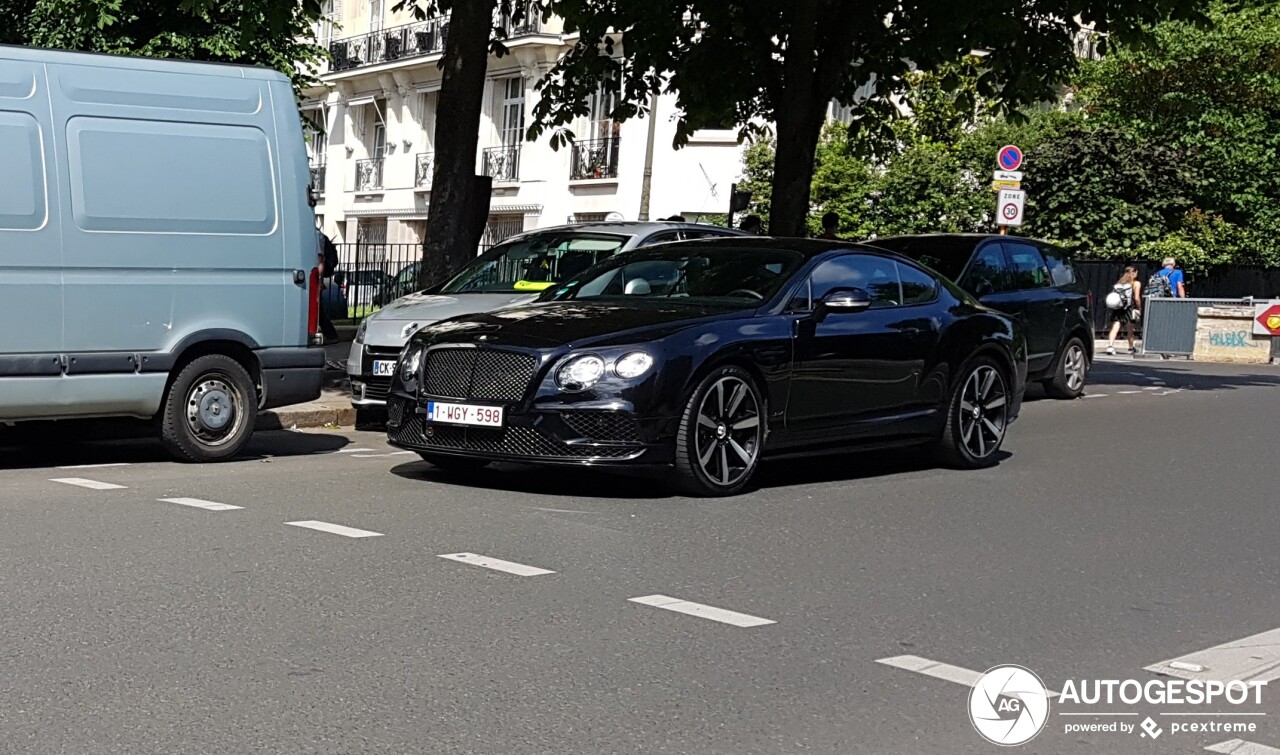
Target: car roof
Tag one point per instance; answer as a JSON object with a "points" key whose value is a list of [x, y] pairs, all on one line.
{"points": [[973, 238], [810, 248], [630, 227]]}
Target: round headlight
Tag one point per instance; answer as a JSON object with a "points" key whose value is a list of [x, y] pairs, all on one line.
{"points": [[409, 363], [633, 365], [580, 373]]}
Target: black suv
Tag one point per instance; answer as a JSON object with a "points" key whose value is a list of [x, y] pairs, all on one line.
{"points": [[1028, 279]]}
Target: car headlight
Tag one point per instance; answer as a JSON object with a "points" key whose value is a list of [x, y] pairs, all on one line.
{"points": [[633, 365], [580, 373], [364, 325], [409, 364]]}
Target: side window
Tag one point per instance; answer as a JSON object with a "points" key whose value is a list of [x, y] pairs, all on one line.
{"points": [[875, 275], [689, 234], [1060, 270], [918, 287], [662, 238], [1028, 268], [988, 273]]}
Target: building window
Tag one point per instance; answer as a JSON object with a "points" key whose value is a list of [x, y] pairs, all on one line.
{"points": [[376, 14], [512, 124], [328, 21]]}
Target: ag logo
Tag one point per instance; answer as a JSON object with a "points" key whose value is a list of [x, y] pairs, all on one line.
{"points": [[1009, 705]]}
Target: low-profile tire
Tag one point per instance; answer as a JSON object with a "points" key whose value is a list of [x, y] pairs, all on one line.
{"points": [[721, 434], [1072, 372], [371, 417], [209, 411], [977, 416], [454, 464]]}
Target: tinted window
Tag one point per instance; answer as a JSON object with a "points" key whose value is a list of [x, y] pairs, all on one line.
{"points": [[1027, 267], [946, 254], [918, 287], [988, 274], [689, 234], [534, 262], [1060, 271], [877, 276], [662, 238], [723, 275]]}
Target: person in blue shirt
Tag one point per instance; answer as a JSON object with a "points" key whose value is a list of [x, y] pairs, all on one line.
{"points": [[1174, 275]]}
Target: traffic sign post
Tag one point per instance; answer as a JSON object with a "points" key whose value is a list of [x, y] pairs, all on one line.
{"points": [[1009, 157], [1010, 207]]}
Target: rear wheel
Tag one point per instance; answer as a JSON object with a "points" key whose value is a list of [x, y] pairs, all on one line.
{"points": [[210, 410], [454, 464], [721, 434], [1073, 368], [977, 416]]}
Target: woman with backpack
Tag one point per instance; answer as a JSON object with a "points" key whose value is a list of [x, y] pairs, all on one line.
{"points": [[1125, 305]]}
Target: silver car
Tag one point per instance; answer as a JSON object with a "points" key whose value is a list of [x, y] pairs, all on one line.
{"points": [[513, 272]]}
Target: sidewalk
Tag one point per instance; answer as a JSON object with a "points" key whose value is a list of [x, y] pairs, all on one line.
{"points": [[333, 408]]}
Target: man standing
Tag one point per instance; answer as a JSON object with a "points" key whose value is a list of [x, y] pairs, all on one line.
{"points": [[752, 225], [830, 224], [1171, 273]]}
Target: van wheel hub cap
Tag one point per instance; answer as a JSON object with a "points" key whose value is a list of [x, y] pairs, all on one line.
{"points": [[211, 408]]}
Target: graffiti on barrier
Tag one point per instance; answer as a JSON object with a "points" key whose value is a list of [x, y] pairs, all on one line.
{"points": [[1237, 340]]}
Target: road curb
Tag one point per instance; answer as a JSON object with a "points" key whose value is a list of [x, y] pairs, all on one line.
{"points": [[319, 414]]}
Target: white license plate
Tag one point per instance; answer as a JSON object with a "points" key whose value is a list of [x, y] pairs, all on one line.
{"points": [[383, 368], [464, 414]]}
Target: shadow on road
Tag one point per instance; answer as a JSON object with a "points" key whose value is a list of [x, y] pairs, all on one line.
{"points": [[1182, 375], [22, 448]]}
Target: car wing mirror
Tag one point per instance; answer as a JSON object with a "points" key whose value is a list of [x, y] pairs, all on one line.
{"points": [[844, 300]]}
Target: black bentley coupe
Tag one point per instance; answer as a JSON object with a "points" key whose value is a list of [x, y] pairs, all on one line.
{"points": [[700, 358]]}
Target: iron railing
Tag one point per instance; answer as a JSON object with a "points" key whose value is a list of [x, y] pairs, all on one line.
{"points": [[369, 174], [502, 164], [416, 40], [317, 178], [594, 159], [423, 168]]}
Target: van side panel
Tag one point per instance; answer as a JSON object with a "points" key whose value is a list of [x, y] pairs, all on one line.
{"points": [[297, 215], [30, 242], [172, 208]]}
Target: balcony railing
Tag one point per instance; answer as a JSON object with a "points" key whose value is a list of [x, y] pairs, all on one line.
{"points": [[317, 178], [414, 40], [423, 169], [594, 159], [369, 174], [502, 164]]}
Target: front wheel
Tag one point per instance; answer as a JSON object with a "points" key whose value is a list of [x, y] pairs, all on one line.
{"points": [[1073, 367], [977, 416], [721, 434], [210, 409]]}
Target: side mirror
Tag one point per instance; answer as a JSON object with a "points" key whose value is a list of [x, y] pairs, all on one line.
{"points": [[844, 300]]}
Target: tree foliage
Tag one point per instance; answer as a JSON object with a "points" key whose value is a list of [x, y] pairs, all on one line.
{"points": [[276, 33]]}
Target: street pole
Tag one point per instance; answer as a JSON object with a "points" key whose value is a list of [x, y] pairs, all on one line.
{"points": [[647, 183]]}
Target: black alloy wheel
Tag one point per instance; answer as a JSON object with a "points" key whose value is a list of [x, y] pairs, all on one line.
{"points": [[721, 434]]}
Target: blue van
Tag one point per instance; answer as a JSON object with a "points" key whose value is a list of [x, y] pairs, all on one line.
{"points": [[157, 246]]}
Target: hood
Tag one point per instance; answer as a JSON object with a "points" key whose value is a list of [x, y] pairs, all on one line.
{"points": [[578, 323], [390, 326]]}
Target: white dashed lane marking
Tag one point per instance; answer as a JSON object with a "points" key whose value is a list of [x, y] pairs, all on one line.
{"points": [[496, 564], [90, 484], [1241, 747], [336, 529], [943, 671], [199, 504], [95, 466], [702, 611]]}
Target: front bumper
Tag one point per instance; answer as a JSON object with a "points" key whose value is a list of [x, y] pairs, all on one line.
{"points": [[573, 436], [366, 389]]}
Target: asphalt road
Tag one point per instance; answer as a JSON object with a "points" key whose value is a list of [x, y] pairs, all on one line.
{"points": [[1123, 529]]}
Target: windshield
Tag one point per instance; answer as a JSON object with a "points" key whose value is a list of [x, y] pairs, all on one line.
{"points": [[533, 263], [946, 254], [724, 275]]}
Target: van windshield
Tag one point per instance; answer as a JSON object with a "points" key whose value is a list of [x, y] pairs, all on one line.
{"points": [[533, 263]]}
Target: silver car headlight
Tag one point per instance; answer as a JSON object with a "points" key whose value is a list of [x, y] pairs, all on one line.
{"points": [[410, 361], [580, 373], [633, 365], [360, 331]]}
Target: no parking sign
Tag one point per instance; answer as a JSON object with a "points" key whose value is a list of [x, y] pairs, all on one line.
{"points": [[1010, 206]]}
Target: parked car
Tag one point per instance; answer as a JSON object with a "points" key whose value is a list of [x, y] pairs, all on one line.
{"points": [[157, 246], [513, 272], [701, 358], [1031, 280], [366, 288], [405, 282], [333, 298]]}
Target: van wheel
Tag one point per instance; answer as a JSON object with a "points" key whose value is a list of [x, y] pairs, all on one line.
{"points": [[1073, 368], [210, 410]]}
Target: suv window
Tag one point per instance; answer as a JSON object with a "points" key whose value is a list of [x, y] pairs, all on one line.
{"points": [[1028, 267], [662, 237], [1060, 270], [689, 234], [988, 273], [875, 275]]}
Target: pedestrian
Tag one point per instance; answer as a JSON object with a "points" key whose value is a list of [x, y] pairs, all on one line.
{"points": [[327, 262], [752, 225], [674, 219], [830, 224], [1174, 282], [1125, 304]]}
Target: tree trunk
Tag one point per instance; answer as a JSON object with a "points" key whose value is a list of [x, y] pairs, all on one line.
{"points": [[452, 235], [797, 144]]}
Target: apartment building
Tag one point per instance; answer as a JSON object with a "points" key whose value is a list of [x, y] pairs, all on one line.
{"points": [[373, 140]]}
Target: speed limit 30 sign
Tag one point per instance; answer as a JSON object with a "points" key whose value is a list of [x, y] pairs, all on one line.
{"points": [[1010, 206]]}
